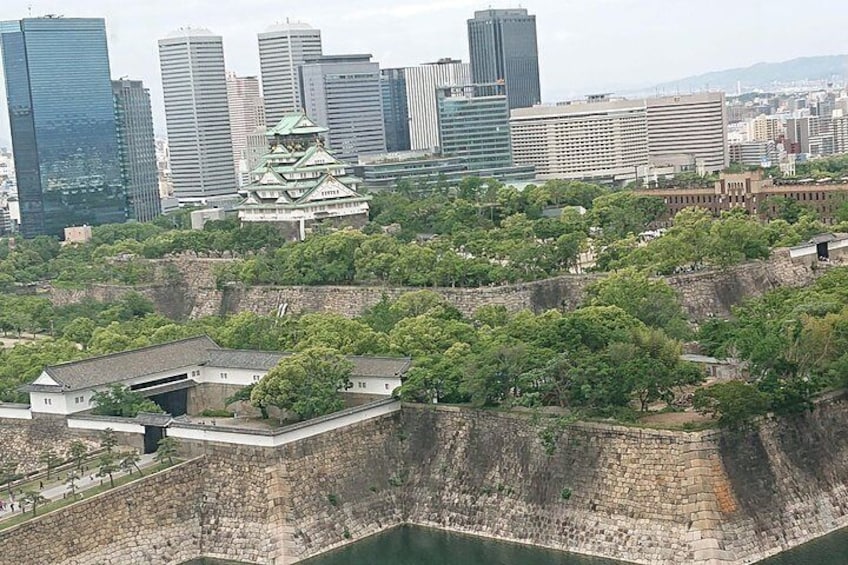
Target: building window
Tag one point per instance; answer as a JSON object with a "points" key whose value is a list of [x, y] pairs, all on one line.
{"points": [[223, 376], [387, 386], [256, 378], [48, 401]]}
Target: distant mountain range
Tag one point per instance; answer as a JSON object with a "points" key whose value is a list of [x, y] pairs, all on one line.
{"points": [[763, 76]]}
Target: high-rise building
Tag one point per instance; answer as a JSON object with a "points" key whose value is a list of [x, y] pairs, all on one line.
{"points": [[342, 93], [474, 123], [612, 139], [137, 146], [801, 131], [194, 83], [694, 125], [62, 117], [502, 46], [282, 49], [395, 109], [421, 84], [247, 113]]}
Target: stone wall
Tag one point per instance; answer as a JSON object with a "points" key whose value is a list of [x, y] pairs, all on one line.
{"points": [[24, 440], [155, 521], [702, 294], [645, 496], [283, 505]]}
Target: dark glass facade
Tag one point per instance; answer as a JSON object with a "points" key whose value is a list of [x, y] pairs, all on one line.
{"points": [[137, 147], [62, 117], [474, 124], [395, 109], [502, 45]]}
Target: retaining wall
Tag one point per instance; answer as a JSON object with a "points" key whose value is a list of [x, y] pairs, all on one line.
{"points": [[645, 496], [702, 294]]}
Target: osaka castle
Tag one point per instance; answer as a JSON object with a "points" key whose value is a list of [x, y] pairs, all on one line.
{"points": [[299, 183]]}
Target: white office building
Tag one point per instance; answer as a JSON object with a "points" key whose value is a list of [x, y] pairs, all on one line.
{"points": [[605, 139], [282, 49], [615, 139], [421, 84], [194, 83], [693, 125]]}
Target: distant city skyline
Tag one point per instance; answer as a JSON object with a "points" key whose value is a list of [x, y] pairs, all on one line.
{"points": [[584, 47]]}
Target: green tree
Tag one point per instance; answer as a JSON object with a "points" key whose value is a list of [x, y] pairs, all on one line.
{"points": [[306, 383], [734, 403], [166, 450], [80, 330], [108, 440], [243, 395], [8, 473], [108, 465], [129, 461], [650, 300], [34, 499], [71, 483], [494, 373], [49, 459], [119, 400]]}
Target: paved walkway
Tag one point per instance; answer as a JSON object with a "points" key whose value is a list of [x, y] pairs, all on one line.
{"points": [[56, 491]]}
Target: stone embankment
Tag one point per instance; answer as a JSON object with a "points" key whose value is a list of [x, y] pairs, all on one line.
{"points": [[23, 441], [186, 288], [154, 521], [639, 495]]}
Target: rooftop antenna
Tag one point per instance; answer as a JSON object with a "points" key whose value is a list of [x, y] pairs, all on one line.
{"points": [[29, 9]]}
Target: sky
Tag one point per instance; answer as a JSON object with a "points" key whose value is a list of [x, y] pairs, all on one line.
{"points": [[585, 46]]}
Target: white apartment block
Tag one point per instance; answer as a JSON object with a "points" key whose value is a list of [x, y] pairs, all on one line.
{"points": [[282, 49], [614, 139], [421, 84]]}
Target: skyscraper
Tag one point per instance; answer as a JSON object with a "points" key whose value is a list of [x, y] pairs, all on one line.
{"points": [[195, 86], [474, 123], [247, 113], [137, 147], [282, 49], [395, 109], [342, 93], [421, 84], [62, 116], [502, 47]]}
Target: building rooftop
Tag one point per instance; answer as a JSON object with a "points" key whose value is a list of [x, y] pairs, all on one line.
{"points": [[288, 26], [196, 351], [295, 124], [185, 32], [127, 365], [363, 366]]}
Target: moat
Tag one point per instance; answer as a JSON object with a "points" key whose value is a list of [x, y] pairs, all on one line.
{"points": [[422, 546]]}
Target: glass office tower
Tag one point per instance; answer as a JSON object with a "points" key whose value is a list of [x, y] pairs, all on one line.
{"points": [[502, 45], [474, 123], [62, 116]]}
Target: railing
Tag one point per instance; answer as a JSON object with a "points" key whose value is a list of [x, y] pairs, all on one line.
{"points": [[185, 430]]}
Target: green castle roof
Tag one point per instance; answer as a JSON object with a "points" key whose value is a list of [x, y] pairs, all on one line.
{"points": [[296, 124]]}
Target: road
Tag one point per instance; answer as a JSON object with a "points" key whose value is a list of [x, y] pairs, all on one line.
{"points": [[56, 491]]}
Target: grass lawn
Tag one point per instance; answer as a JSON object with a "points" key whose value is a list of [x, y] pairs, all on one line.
{"points": [[88, 493]]}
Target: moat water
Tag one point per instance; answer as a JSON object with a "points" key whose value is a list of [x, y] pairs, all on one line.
{"points": [[419, 546]]}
